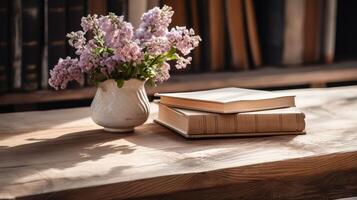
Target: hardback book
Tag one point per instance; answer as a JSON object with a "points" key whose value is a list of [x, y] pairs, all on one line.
{"points": [[329, 30], [119, 7], [313, 27], [16, 43], [227, 100], [294, 20], [270, 20], [217, 34], [205, 45], [252, 28], [237, 36], [4, 46], [196, 124], [31, 31]]}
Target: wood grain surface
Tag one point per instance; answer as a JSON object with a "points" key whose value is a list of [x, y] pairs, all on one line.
{"points": [[62, 154]]}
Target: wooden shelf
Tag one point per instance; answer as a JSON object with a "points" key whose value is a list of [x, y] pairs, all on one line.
{"points": [[313, 75]]}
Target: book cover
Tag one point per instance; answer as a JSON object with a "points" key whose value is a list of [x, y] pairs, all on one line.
{"points": [[32, 36], [227, 100], [193, 124], [4, 46]]}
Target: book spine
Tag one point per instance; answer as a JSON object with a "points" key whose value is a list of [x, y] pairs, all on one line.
{"points": [[205, 35], [237, 36], [313, 25], [16, 43], [4, 47], [254, 42], [329, 30], [31, 44], [217, 29], [56, 27], [119, 7], [246, 123], [271, 28], [294, 32]]}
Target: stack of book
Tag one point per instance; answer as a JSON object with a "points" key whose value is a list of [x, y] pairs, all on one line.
{"points": [[230, 112]]}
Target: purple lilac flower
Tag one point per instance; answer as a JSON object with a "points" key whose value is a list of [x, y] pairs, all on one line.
{"points": [[155, 22], [185, 40], [163, 72], [182, 62], [66, 70], [157, 45], [89, 23], [77, 40]]}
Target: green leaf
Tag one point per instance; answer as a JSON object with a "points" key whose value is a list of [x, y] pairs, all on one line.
{"points": [[120, 82]]}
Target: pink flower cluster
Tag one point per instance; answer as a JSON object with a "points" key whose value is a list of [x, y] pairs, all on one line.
{"points": [[66, 70], [116, 51]]}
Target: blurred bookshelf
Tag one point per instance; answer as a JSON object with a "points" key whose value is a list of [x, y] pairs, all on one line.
{"points": [[264, 44]]}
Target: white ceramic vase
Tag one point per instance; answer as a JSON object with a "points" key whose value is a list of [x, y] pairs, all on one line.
{"points": [[120, 109]]}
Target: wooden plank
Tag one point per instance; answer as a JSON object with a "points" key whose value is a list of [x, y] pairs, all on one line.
{"points": [[62, 154], [262, 78]]}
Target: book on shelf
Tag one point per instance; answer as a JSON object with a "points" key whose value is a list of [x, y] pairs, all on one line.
{"points": [[4, 46], [237, 34], [217, 35], [198, 124], [270, 20], [252, 29], [16, 40], [312, 29], [31, 44], [329, 30], [227, 100], [294, 20]]}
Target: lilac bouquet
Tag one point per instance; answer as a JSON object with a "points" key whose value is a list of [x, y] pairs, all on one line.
{"points": [[116, 51]]}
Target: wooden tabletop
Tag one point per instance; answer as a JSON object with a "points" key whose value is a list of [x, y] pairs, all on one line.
{"points": [[62, 154]]}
